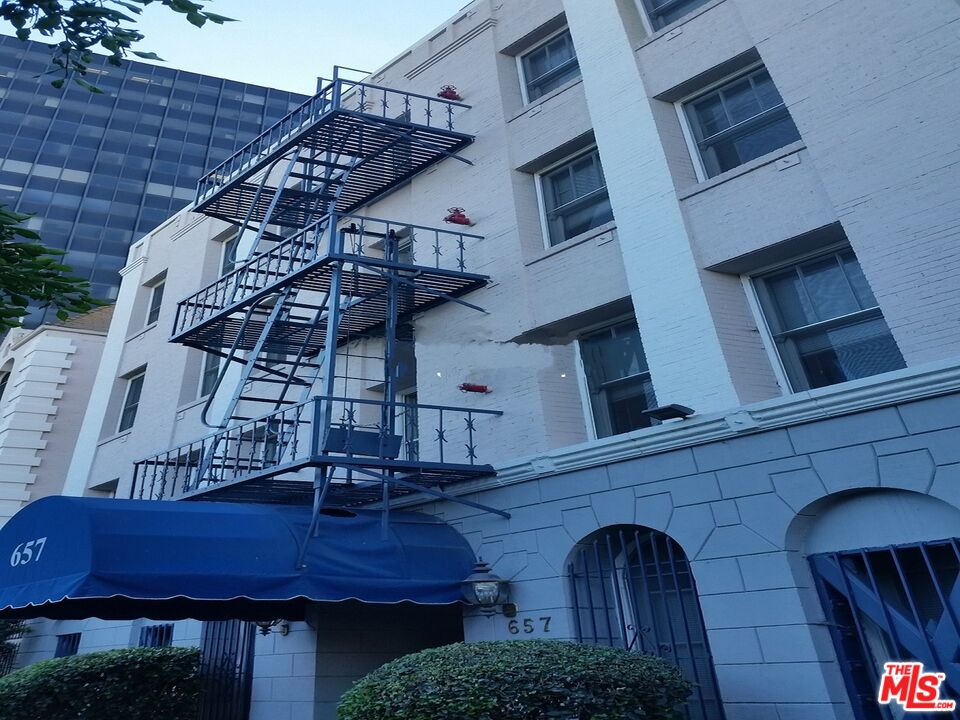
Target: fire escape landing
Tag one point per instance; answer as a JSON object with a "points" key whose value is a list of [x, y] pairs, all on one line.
{"points": [[318, 277]]}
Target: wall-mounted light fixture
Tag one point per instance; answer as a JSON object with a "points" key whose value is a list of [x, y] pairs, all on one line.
{"points": [[487, 591], [669, 412], [265, 627]]}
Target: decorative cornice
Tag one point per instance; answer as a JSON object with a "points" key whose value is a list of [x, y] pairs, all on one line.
{"points": [[130, 267]]}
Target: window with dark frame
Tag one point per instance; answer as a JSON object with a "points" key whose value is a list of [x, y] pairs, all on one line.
{"points": [[410, 420], [743, 119], [156, 300], [156, 636], [618, 380], [825, 321], [4, 379], [209, 374], [575, 197], [67, 645], [664, 12], [131, 401], [549, 65]]}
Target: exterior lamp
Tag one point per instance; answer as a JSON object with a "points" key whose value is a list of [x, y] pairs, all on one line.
{"points": [[265, 627], [485, 590], [669, 412]]}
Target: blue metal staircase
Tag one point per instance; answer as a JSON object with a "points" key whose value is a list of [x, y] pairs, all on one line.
{"points": [[319, 277]]}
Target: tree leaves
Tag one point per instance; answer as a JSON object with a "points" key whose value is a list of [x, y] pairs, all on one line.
{"points": [[32, 273], [87, 24]]}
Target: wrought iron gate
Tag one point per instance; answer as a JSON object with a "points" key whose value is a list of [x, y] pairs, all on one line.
{"points": [[226, 667], [632, 588], [893, 603]]}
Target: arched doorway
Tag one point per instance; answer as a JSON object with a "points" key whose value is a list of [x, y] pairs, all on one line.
{"points": [[631, 587], [897, 599]]}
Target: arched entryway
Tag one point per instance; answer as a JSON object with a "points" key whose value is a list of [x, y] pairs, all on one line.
{"points": [[631, 587], [886, 564]]}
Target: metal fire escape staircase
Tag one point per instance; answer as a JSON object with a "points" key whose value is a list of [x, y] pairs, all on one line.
{"points": [[318, 278]]}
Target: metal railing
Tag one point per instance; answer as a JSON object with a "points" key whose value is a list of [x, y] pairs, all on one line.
{"points": [[358, 237], [324, 429], [339, 94]]}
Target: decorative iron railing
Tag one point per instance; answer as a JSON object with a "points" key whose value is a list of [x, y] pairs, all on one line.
{"points": [[338, 95], [359, 238], [324, 430]]}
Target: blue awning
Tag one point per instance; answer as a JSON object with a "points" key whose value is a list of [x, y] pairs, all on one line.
{"points": [[72, 558]]}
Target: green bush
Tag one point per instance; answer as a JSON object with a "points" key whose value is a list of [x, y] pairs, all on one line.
{"points": [[518, 680], [128, 684]]}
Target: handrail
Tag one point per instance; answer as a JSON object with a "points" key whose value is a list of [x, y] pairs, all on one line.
{"points": [[330, 98], [298, 250], [313, 398]]}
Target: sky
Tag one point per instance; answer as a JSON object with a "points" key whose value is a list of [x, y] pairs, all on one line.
{"points": [[287, 43]]}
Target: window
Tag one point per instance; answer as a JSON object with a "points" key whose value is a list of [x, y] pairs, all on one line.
{"points": [[131, 402], [664, 12], [156, 635], [156, 300], [67, 645], [618, 381], [4, 379], [410, 422], [825, 322], [229, 261], [575, 197], [743, 119], [209, 374], [549, 66]]}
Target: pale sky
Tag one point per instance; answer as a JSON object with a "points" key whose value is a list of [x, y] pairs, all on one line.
{"points": [[287, 43]]}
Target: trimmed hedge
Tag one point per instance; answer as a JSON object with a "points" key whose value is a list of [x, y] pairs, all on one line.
{"points": [[519, 680], [128, 684]]}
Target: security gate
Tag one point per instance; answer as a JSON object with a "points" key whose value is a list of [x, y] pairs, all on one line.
{"points": [[894, 603], [632, 588], [226, 668]]}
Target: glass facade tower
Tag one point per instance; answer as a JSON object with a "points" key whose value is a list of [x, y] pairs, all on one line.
{"points": [[100, 170]]}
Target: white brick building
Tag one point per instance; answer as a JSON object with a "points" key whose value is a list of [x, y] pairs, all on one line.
{"points": [[775, 221]]}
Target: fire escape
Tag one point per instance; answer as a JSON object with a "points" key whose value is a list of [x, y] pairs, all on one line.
{"points": [[319, 282]]}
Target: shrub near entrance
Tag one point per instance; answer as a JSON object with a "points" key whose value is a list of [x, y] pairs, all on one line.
{"points": [[132, 684], [518, 680]]}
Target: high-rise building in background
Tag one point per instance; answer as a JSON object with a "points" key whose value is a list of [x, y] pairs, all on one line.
{"points": [[97, 170]]}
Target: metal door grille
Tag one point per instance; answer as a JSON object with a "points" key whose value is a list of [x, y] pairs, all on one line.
{"points": [[894, 603], [11, 631], [226, 667], [632, 588]]}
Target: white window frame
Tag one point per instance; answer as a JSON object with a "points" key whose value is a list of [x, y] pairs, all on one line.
{"points": [[540, 175], [128, 384], [693, 148], [648, 21], [521, 73], [584, 386], [203, 372], [763, 324], [155, 287], [225, 246]]}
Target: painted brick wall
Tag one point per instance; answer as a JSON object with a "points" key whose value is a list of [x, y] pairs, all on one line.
{"points": [[746, 511]]}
